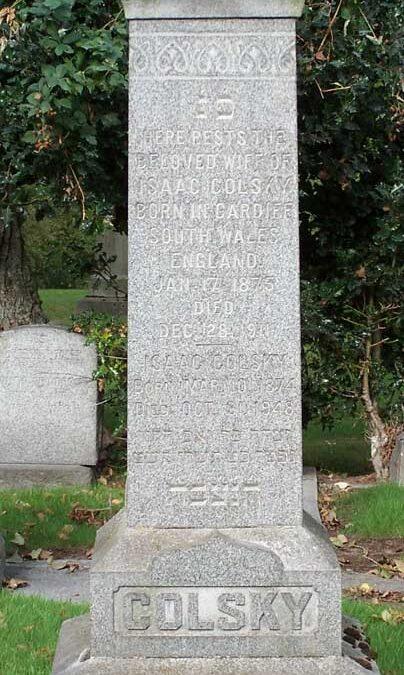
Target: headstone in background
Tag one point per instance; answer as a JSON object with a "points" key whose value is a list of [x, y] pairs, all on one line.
{"points": [[48, 407], [213, 567], [110, 297], [397, 461]]}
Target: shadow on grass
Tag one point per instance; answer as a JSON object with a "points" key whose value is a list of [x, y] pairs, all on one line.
{"points": [[344, 449]]}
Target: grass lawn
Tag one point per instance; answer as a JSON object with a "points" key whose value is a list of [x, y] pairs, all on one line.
{"points": [[29, 629], [387, 640], [60, 304], [42, 517], [341, 450], [375, 512]]}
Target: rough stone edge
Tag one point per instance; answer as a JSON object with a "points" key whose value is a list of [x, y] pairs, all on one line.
{"points": [[212, 9], [73, 658], [310, 493], [397, 461], [38, 475]]}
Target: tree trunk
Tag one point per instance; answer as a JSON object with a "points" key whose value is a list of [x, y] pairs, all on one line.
{"points": [[376, 428], [19, 300]]}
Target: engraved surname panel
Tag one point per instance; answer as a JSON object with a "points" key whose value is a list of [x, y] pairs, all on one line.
{"points": [[215, 619], [214, 384]]}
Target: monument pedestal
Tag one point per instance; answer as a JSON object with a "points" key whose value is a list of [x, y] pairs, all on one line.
{"points": [[232, 601]]}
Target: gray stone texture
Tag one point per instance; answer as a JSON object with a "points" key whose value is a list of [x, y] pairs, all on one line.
{"points": [[193, 565], [218, 9], [48, 398], [213, 568], [310, 493], [214, 351], [43, 475], [73, 658], [397, 462], [110, 297]]}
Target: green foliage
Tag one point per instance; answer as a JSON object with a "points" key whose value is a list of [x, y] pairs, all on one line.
{"points": [[60, 249], [109, 335], [352, 195], [63, 106]]}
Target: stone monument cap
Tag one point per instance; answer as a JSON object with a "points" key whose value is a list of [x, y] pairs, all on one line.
{"points": [[212, 9]]}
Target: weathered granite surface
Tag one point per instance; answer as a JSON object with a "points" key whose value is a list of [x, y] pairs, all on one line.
{"points": [[48, 412], [218, 9], [72, 658], [206, 601], [212, 568], [397, 462], [196, 567], [214, 314], [43, 475]]}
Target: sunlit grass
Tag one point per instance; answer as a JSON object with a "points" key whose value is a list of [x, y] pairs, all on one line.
{"points": [[60, 304], [375, 512], [41, 516], [29, 629]]}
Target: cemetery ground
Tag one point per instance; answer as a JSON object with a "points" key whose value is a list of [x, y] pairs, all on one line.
{"points": [[58, 526]]}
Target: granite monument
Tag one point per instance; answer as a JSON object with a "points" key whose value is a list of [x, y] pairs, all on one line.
{"points": [[48, 407], [213, 567]]}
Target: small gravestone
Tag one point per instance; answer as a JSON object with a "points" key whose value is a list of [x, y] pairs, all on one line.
{"points": [[213, 568], [397, 461], [109, 296], [48, 407]]}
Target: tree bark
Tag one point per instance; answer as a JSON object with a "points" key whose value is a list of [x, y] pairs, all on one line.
{"points": [[376, 428], [19, 299]]}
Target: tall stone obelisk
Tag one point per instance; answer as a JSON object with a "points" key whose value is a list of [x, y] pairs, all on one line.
{"points": [[213, 568]]}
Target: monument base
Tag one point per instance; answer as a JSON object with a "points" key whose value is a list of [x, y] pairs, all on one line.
{"points": [[43, 475], [102, 305], [234, 601], [73, 658]]}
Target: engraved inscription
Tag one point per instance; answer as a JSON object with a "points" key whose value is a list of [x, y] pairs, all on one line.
{"points": [[216, 495], [215, 387], [205, 56], [194, 611]]}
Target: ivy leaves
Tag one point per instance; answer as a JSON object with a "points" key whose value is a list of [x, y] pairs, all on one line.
{"points": [[63, 78]]}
